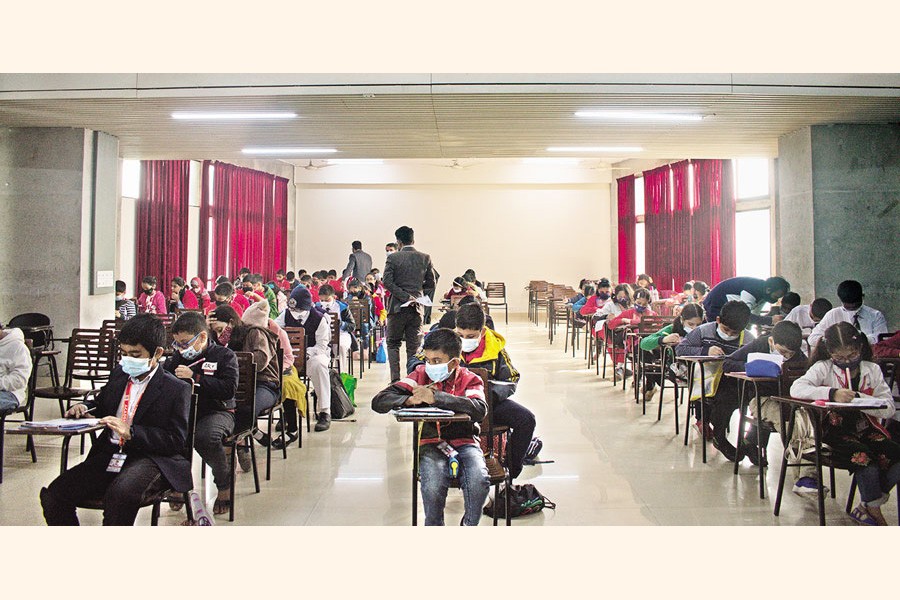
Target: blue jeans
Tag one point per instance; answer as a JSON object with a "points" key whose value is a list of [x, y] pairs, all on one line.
{"points": [[8, 402], [434, 476], [874, 483]]}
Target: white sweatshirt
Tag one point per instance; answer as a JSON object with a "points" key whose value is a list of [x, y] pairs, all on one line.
{"points": [[823, 376], [15, 364]]}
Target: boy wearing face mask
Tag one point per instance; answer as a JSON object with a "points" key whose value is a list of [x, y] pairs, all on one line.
{"points": [[214, 371], [444, 383], [329, 303], [317, 324], [690, 318], [723, 336], [142, 450], [151, 299], [225, 296], [125, 308], [865, 319]]}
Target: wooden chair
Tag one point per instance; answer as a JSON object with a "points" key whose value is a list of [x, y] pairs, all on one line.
{"points": [[495, 458], [361, 315], [297, 337], [90, 357], [269, 414], [244, 396], [26, 410], [156, 500], [38, 328], [335, 342], [541, 301], [644, 369], [496, 291]]}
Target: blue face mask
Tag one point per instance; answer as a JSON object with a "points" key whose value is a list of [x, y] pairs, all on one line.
{"points": [[437, 373], [134, 367], [639, 309], [189, 353]]}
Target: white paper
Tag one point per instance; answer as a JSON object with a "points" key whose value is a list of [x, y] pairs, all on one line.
{"points": [[424, 301], [775, 358], [60, 424], [105, 279]]}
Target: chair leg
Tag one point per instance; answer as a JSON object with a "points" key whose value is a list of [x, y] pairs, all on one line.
{"points": [[283, 431], [154, 516], [852, 495], [233, 481], [2, 436], [253, 460], [269, 447], [496, 502], [831, 473]]}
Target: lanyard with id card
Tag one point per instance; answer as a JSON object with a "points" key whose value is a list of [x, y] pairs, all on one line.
{"points": [[118, 459]]}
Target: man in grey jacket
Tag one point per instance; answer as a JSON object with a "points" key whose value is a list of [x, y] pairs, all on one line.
{"points": [[359, 265], [408, 275]]}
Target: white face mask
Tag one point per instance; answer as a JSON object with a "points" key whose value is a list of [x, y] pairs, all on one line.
{"points": [[727, 338], [300, 315], [470, 344], [688, 329]]}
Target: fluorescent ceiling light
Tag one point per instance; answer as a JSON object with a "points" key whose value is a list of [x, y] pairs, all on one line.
{"points": [[595, 149], [355, 161], [550, 160], [232, 116], [630, 115], [288, 151]]}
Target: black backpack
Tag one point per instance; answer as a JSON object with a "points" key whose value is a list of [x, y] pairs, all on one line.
{"points": [[341, 407], [523, 500]]}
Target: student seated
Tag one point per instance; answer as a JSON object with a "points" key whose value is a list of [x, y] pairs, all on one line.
{"points": [[15, 369], [646, 282], [151, 300], [292, 281], [459, 287], [152, 439], [683, 297], [442, 382], [470, 277], [317, 325], [788, 302], [281, 279], [257, 285], [580, 296], [690, 318], [753, 292], [842, 371], [180, 296], [719, 338], [808, 315], [202, 295], [640, 308], [237, 283], [239, 336], [785, 340], [280, 295], [225, 296], [125, 308], [588, 291], [612, 308], [888, 348], [482, 347], [329, 303], [213, 369], [852, 310], [598, 300], [700, 291], [331, 279]]}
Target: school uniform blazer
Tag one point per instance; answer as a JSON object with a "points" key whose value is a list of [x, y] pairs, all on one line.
{"points": [[407, 274], [160, 426]]}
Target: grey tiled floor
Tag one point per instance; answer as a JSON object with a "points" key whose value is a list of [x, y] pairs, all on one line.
{"points": [[613, 466]]}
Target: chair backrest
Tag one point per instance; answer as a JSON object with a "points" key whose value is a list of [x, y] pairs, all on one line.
{"points": [[791, 372], [35, 327], [360, 312], [335, 333], [488, 421], [245, 395], [167, 319], [889, 367], [495, 289], [180, 311], [652, 324], [112, 327], [455, 298], [885, 336], [297, 338], [91, 356]]}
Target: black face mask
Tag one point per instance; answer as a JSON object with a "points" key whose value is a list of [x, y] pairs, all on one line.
{"points": [[603, 296], [221, 302], [360, 294], [247, 290], [149, 291]]}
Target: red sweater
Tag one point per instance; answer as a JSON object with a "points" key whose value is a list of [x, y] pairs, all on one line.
{"points": [[631, 314], [889, 348]]}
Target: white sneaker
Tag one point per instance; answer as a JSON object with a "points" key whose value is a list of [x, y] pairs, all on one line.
{"points": [[808, 485], [620, 372]]}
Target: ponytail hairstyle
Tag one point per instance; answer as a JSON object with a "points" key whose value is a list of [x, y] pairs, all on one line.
{"points": [[589, 290], [642, 293], [691, 310], [838, 336], [623, 287]]}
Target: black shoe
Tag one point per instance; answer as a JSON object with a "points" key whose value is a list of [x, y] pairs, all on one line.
{"points": [[725, 447], [323, 422], [280, 443], [262, 438], [750, 452]]}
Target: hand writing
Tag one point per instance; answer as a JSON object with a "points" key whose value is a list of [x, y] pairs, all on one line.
{"points": [[118, 426], [716, 351]]}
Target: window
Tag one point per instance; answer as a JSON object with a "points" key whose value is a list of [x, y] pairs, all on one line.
{"points": [[752, 178], [131, 178], [752, 243], [639, 197], [639, 248]]}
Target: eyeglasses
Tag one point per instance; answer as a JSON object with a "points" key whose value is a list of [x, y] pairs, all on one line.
{"points": [[186, 345]]}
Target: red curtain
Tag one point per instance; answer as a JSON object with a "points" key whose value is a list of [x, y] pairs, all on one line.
{"points": [[680, 232], [162, 221], [627, 249], [249, 221], [658, 226], [205, 211], [713, 223]]}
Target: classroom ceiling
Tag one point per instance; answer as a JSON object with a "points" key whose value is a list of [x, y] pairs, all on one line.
{"points": [[453, 124]]}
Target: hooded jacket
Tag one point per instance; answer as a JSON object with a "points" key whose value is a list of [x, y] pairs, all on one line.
{"points": [[491, 355], [15, 364]]}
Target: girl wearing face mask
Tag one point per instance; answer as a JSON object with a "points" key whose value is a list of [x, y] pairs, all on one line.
{"points": [[640, 307], [199, 291], [842, 371], [671, 335]]}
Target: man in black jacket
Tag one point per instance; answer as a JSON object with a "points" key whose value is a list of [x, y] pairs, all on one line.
{"points": [[214, 371], [359, 264], [145, 410], [408, 275]]}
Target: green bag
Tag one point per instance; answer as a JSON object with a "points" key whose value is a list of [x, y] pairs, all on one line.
{"points": [[350, 386]]}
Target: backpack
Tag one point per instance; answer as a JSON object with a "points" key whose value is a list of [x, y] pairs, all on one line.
{"points": [[523, 500], [341, 407], [350, 386], [531, 453], [381, 353]]}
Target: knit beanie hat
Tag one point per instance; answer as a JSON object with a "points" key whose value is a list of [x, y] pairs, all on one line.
{"points": [[257, 314], [300, 299]]}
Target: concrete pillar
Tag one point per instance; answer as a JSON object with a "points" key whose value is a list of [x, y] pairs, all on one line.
{"points": [[839, 211], [46, 193]]}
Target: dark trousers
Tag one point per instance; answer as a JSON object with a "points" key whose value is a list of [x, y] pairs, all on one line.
{"points": [[267, 395], [404, 325], [722, 406], [427, 312], [211, 429], [521, 421], [122, 492]]}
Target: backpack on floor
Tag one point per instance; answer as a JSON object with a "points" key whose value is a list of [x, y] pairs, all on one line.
{"points": [[531, 453], [341, 407], [523, 500], [350, 386]]}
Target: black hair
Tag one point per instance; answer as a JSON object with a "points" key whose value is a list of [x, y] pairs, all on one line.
{"points": [[326, 290], [120, 286], [405, 236], [839, 335], [244, 271], [470, 316], [789, 301], [290, 275], [582, 282], [356, 245], [247, 279], [149, 280], [354, 282], [222, 279], [305, 277], [391, 245], [623, 287], [444, 340], [448, 321], [642, 293], [735, 315], [224, 289], [604, 282], [701, 287], [178, 281], [850, 292], [301, 272], [190, 322], [645, 277], [460, 282], [820, 306], [255, 278], [788, 334], [144, 330], [589, 290], [332, 273], [468, 299], [279, 272], [226, 314], [688, 285], [374, 271], [691, 310], [775, 284]]}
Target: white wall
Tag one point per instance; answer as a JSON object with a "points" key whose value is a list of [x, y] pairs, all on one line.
{"points": [[508, 222]]}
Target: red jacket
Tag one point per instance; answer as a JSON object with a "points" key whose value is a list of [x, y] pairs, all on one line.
{"points": [[889, 348], [631, 314]]}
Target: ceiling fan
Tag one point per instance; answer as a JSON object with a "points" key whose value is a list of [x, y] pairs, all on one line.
{"points": [[313, 166], [455, 164]]}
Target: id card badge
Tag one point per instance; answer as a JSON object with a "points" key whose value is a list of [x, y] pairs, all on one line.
{"points": [[116, 462]]}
